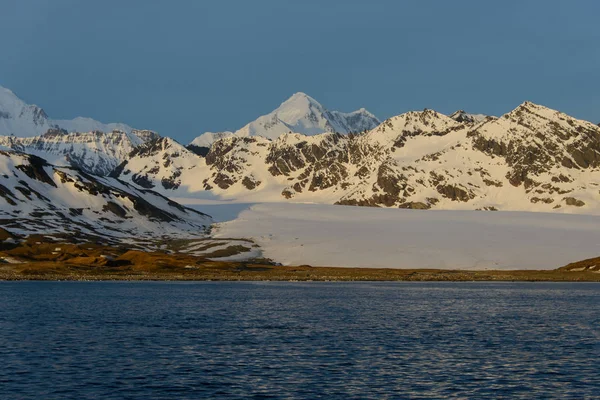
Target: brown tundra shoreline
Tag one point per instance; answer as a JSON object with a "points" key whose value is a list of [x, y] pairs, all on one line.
{"points": [[38, 259], [264, 272]]}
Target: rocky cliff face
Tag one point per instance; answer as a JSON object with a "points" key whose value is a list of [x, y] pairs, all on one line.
{"points": [[158, 163], [93, 152], [532, 158]]}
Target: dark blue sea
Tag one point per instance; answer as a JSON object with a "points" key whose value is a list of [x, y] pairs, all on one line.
{"points": [[79, 340]]}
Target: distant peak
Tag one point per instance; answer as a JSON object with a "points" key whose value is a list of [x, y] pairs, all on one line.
{"points": [[300, 96], [8, 95], [299, 102], [466, 118], [364, 111], [6, 90]]}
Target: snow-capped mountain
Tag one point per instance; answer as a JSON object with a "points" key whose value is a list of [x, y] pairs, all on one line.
{"points": [[298, 114], [81, 142], [24, 120], [531, 159], [19, 118], [38, 197]]}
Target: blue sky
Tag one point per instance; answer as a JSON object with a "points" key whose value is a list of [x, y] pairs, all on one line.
{"points": [[185, 67]]}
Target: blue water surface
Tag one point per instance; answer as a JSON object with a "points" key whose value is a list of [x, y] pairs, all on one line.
{"points": [[78, 340]]}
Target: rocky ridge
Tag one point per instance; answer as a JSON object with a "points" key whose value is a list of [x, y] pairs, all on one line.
{"points": [[92, 152]]}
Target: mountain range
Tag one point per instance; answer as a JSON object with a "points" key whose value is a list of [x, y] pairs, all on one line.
{"points": [[116, 180], [530, 159]]}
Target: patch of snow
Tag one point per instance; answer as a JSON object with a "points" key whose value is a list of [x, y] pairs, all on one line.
{"points": [[10, 260], [338, 236]]}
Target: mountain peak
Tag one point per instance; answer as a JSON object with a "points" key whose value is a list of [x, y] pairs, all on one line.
{"points": [[12, 104], [300, 95], [299, 101], [26, 120], [6, 92], [302, 114], [529, 108]]}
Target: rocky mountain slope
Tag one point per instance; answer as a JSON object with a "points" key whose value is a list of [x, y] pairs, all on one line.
{"points": [[533, 159], [162, 164], [93, 152], [37, 197], [298, 114]]}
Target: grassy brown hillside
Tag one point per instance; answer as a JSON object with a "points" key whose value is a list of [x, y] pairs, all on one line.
{"points": [[589, 265]]}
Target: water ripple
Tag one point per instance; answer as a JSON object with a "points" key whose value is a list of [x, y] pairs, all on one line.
{"points": [[300, 340]]}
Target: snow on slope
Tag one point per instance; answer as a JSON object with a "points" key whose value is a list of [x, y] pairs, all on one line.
{"points": [[298, 114], [163, 164], [36, 197], [324, 235]]}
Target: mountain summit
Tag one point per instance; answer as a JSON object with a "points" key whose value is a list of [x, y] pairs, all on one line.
{"points": [[21, 119], [25, 120], [298, 114]]}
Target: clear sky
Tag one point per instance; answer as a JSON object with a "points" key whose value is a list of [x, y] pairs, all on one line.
{"points": [[185, 67]]}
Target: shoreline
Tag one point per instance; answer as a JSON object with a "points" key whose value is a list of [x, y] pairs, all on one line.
{"points": [[45, 260], [265, 273]]}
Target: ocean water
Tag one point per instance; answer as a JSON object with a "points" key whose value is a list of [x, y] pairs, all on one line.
{"points": [[79, 340]]}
